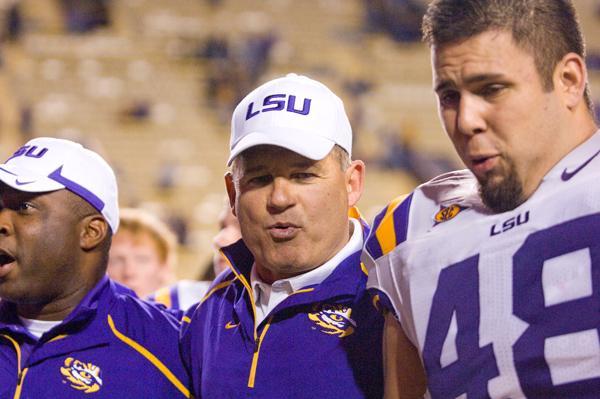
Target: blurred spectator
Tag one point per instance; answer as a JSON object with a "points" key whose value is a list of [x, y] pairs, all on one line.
{"points": [[13, 22], [214, 3], [593, 60], [229, 232], [255, 52], [179, 225], [235, 65], [401, 19], [215, 47], [143, 252], [26, 122], [136, 111], [166, 177], [401, 152], [82, 16], [356, 89]]}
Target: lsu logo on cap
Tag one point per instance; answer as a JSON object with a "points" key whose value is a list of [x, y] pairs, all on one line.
{"points": [[28, 151], [82, 376], [446, 213], [334, 319], [279, 102]]}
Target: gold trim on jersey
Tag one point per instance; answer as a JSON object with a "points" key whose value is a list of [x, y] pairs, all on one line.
{"points": [[386, 233]]}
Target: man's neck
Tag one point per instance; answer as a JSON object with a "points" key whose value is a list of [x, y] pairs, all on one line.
{"points": [[55, 309]]}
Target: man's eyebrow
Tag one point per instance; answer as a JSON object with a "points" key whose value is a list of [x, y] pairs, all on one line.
{"points": [[254, 169], [483, 77], [301, 163], [304, 163]]}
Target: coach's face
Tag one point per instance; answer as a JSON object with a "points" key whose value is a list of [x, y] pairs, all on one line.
{"points": [[38, 247], [501, 120], [293, 211]]}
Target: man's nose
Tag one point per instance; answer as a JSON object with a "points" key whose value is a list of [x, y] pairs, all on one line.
{"points": [[470, 115], [281, 196]]}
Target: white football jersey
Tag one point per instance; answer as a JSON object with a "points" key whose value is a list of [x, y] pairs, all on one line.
{"points": [[499, 305]]}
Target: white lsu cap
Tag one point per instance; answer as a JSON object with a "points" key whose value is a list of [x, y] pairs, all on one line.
{"points": [[293, 112], [48, 164]]}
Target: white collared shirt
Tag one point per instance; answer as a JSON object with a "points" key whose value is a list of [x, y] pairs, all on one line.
{"points": [[268, 296]]}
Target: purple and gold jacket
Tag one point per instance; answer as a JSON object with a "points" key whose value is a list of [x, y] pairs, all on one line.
{"points": [[112, 345], [323, 341]]}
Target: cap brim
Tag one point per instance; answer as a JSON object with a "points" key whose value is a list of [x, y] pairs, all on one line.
{"points": [[23, 180], [313, 147]]}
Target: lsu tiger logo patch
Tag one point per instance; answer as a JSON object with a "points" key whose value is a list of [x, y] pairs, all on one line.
{"points": [[82, 376], [334, 319], [446, 213]]}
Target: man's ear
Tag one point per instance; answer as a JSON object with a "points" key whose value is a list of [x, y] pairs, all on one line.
{"points": [[570, 79], [230, 186], [93, 231], [355, 181]]}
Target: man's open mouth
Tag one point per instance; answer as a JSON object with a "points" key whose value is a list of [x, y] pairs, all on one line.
{"points": [[5, 258]]}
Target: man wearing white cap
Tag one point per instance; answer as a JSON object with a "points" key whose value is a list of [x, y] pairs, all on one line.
{"points": [[291, 318], [66, 330]]}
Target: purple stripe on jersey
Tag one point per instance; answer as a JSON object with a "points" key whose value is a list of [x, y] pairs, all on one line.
{"points": [[401, 220], [83, 192], [372, 245]]}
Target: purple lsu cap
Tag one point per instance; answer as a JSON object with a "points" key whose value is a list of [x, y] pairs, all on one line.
{"points": [[293, 112], [48, 164]]}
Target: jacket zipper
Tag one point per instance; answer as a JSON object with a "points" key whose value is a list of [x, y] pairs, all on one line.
{"points": [[20, 379], [257, 343], [20, 373]]}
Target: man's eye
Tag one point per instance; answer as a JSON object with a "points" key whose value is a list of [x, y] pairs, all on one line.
{"points": [[259, 180], [449, 98], [303, 175], [24, 207], [491, 90]]}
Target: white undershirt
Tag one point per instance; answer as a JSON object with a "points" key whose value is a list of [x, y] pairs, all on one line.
{"points": [[38, 327], [268, 296]]}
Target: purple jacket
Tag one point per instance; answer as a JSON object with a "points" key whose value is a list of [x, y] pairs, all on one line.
{"points": [[111, 346], [323, 341]]}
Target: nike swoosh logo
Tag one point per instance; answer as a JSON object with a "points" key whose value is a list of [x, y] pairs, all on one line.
{"points": [[567, 175], [22, 183], [229, 325]]}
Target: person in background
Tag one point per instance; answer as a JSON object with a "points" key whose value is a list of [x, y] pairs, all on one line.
{"points": [[143, 257], [229, 232], [291, 317], [66, 329]]}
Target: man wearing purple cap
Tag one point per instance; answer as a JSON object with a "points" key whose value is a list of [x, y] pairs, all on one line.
{"points": [[66, 331], [291, 318]]}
